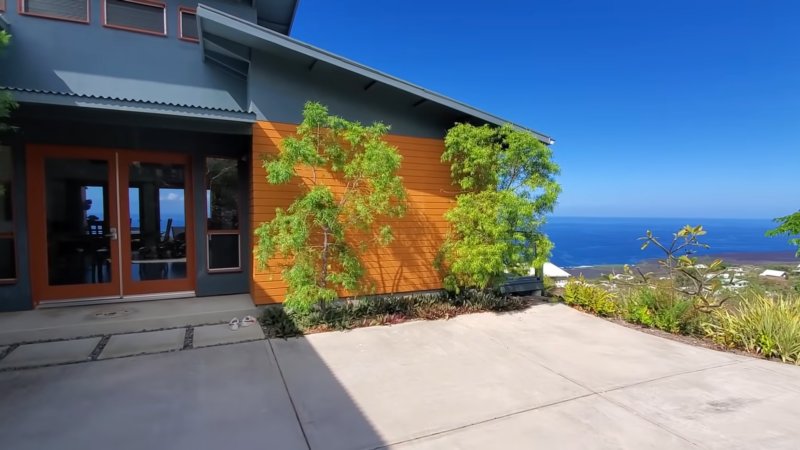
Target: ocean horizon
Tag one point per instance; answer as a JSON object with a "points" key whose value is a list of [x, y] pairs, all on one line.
{"points": [[594, 241]]}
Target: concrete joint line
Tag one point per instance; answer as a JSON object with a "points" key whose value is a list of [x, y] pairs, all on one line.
{"points": [[664, 377], [274, 357], [481, 422]]}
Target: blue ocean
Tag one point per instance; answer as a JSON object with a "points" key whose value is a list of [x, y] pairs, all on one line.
{"points": [[584, 241]]}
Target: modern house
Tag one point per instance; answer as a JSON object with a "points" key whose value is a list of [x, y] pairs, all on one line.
{"points": [[135, 170]]}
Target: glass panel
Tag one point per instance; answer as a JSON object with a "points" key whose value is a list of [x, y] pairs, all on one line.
{"points": [[222, 194], [223, 251], [6, 209], [77, 211], [8, 259], [158, 221]]}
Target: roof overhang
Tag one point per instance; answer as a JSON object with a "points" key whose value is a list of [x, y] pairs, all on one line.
{"points": [[214, 24], [5, 25], [133, 106], [277, 15]]}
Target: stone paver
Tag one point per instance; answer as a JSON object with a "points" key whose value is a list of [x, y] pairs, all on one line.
{"points": [[727, 408], [149, 342], [212, 398], [596, 353], [410, 380], [585, 423], [222, 334], [50, 353]]}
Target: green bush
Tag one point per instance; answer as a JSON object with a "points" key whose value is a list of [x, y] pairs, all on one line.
{"points": [[655, 306], [760, 324], [592, 298], [386, 310]]}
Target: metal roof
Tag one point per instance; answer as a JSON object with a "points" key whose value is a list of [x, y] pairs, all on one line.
{"points": [[255, 36], [23, 95]]}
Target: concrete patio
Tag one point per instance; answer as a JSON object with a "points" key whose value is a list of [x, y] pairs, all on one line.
{"points": [[550, 377]]}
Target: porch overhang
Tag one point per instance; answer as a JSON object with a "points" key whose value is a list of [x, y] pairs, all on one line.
{"points": [[5, 25], [226, 40], [126, 105]]}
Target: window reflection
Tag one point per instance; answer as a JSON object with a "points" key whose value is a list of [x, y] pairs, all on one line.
{"points": [[222, 194]]}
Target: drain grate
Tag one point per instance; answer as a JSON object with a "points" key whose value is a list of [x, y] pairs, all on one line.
{"points": [[111, 313]]}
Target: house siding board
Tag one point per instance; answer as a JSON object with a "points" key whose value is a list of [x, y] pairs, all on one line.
{"points": [[405, 265], [95, 60], [278, 88]]}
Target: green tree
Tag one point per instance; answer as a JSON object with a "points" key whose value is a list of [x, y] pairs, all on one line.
{"points": [[319, 237], [7, 103], [507, 180], [789, 226]]}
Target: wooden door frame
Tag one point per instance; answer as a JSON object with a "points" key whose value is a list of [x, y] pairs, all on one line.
{"points": [[129, 286], [35, 156]]}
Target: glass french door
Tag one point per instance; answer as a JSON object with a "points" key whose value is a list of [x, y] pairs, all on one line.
{"points": [[108, 224]]}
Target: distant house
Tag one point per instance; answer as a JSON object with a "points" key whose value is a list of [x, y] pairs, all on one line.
{"points": [[557, 274], [773, 274], [797, 270], [700, 266]]}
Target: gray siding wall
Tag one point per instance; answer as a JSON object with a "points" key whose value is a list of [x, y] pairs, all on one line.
{"points": [[61, 56], [278, 88], [17, 297]]}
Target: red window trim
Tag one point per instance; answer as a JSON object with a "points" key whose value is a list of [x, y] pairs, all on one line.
{"points": [[20, 11], [209, 270], [2, 5], [181, 10], [163, 6], [12, 234]]}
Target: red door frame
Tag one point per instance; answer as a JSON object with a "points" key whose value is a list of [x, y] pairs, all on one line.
{"points": [[37, 236]]}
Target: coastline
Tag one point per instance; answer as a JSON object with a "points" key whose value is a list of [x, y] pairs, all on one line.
{"points": [[778, 258]]}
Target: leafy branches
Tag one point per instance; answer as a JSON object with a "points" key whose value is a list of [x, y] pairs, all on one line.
{"points": [[508, 184], [789, 226], [349, 183], [7, 103]]}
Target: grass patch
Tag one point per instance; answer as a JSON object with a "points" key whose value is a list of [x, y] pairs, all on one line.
{"points": [[386, 310]]}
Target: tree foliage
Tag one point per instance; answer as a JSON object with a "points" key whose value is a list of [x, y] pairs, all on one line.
{"points": [[507, 181], [789, 226], [7, 103], [349, 184]]}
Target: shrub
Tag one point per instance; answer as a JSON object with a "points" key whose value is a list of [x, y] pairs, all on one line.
{"points": [[657, 307], [760, 324], [386, 310], [592, 298]]}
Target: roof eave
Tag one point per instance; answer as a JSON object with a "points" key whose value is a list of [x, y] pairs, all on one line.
{"points": [[5, 25], [266, 35]]}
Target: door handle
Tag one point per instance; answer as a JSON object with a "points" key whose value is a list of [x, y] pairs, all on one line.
{"points": [[112, 234]]}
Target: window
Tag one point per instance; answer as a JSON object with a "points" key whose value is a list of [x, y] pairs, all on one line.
{"points": [[187, 24], [8, 256], [2, 5], [73, 10], [222, 215], [143, 16]]}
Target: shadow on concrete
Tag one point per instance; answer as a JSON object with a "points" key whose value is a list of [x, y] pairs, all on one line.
{"points": [[218, 397]]}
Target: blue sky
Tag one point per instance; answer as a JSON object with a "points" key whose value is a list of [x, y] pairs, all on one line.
{"points": [[659, 109]]}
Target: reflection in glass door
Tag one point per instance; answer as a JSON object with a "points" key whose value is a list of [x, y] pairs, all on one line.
{"points": [[156, 194], [73, 224]]}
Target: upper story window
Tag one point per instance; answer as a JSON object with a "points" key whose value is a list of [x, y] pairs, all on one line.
{"points": [[73, 10], [143, 16], [188, 24]]}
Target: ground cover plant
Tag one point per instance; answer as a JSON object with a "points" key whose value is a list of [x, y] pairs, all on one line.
{"points": [[385, 310]]}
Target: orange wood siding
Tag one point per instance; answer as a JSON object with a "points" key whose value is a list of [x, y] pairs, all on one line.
{"points": [[403, 266]]}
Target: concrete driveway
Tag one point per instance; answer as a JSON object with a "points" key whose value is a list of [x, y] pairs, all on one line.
{"points": [[550, 377]]}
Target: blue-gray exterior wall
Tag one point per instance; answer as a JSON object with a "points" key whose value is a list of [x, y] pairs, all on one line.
{"points": [[61, 56], [103, 132], [279, 87]]}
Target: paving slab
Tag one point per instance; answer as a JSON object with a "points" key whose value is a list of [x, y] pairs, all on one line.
{"points": [[774, 366], [211, 398], [585, 423], [138, 343], [222, 334], [50, 353], [409, 380], [596, 353], [727, 408]]}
